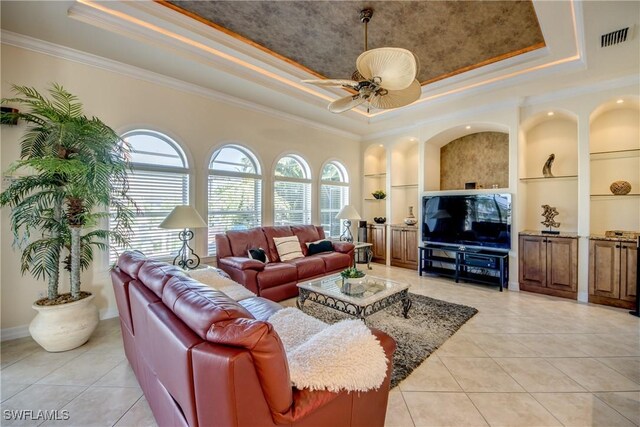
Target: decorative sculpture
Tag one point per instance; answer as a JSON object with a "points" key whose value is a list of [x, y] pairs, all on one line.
{"points": [[549, 213], [546, 170]]}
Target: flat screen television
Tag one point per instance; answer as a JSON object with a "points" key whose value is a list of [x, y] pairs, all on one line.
{"points": [[474, 221]]}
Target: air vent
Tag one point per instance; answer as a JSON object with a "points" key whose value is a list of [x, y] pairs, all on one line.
{"points": [[614, 37]]}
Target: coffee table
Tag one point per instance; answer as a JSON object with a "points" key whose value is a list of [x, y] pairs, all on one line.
{"points": [[367, 297]]}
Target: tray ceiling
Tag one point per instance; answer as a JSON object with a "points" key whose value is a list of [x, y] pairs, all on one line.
{"points": [[326, 37]]}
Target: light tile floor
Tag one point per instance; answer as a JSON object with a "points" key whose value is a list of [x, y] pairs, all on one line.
{"points": [[523, 360]]}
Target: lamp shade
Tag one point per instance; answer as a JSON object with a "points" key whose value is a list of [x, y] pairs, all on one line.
{"points": [[183, 217], [348, 212]]}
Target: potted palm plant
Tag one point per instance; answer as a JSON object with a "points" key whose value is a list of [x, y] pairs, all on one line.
{"points": [[72, 177]]}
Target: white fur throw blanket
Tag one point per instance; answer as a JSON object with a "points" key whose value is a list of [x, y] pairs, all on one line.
{"points": [[210, 277], [342, 356]]}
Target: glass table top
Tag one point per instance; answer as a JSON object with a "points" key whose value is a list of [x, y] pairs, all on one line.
{"points": [[366, 291]]}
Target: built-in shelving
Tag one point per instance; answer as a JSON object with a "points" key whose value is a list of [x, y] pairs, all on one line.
{"points": [[615, 154], [616, 195], [375, 179], [405, 186], [544, 135], [550, 178]]}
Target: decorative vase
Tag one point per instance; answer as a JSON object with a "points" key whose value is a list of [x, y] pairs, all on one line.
{"points": [[410, 219], [620, 188], [66, 326]]}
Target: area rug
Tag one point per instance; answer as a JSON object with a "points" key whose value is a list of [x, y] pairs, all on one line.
{"points": [[430, 323]]}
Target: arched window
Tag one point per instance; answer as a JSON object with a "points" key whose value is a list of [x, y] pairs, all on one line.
{"points": [[234, 191], [334, 194], [292, 191], [159, 181]]}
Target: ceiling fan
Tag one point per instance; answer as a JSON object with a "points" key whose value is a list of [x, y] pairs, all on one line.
{"points": [[385, 77]]}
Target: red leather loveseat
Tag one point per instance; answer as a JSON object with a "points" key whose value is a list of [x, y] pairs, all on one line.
{"points": [[277, 280], [203, 359]]}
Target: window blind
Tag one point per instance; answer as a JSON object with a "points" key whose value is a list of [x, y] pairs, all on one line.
{"points": [[332, 199], [156, 193], [235, 202], [292, 202]]}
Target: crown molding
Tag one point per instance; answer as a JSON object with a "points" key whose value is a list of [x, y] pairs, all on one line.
{"points": [[40, 46]]}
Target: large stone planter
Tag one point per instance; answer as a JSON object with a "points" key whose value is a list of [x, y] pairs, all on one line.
{"points": [[66, 326]]}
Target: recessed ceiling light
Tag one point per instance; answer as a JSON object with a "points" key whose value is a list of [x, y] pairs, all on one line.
{"points": [[380, 145], [619, 101], [413, 139], [550, 113], [468, 127]]}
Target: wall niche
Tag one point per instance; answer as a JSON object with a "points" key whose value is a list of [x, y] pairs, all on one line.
{"points": [[481, 157]]}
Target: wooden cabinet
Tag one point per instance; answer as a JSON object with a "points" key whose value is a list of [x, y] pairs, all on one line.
{"points": [[377, 236], [549, 265], [404, 246], [612, 272]]}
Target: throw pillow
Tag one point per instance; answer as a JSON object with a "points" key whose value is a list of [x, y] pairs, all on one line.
{"points": [[258, 254], [319, 247], [288, 247]]}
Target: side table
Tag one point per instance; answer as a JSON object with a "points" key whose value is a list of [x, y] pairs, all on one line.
{"points": [[367, 249]]}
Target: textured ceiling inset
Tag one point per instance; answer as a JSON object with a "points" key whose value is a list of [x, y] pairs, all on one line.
{"points": [[326, 37]]}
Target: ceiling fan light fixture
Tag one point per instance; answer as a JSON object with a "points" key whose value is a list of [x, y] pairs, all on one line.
{"points": [[384, 78]]}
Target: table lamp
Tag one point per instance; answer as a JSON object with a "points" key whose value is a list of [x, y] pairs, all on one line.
{"points": [[184, 218], [347, 213]]}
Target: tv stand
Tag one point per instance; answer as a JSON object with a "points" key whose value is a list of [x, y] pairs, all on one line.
{"points": [[469, 265]]}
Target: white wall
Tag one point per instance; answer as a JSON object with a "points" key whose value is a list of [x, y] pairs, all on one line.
{"points": [[200, 124]]}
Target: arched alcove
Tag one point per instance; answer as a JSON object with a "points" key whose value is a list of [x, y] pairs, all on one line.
{"points": [[614, 141], [375, 178], [550, 133], [404, 179], [464, 148]]}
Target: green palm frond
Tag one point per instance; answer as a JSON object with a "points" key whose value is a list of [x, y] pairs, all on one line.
{"points": [[76, 167], [41, 257]]}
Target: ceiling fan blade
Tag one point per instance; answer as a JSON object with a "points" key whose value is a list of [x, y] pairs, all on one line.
{"points": [[395, 67], [397, 98], [417, 64], [333, 82], [347, 103]]}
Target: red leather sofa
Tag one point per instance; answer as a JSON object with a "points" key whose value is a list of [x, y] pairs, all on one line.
{"points": [[277, 280], [203, 359]]}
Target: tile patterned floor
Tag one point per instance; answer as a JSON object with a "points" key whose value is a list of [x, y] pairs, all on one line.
{"points": [[523, 360]]}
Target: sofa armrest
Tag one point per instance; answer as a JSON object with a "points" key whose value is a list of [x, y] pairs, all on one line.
{"points": [[306, 402], [240, 263], [343, 247]]}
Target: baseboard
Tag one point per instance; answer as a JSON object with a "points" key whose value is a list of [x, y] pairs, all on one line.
{"points": [[16, 332], [514, 286], [109, 313], [22, 331]]}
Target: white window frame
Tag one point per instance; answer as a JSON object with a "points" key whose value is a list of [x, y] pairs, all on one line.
{"points": [[307, 190], [169, 237], [343, 184], [229, 174]]}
